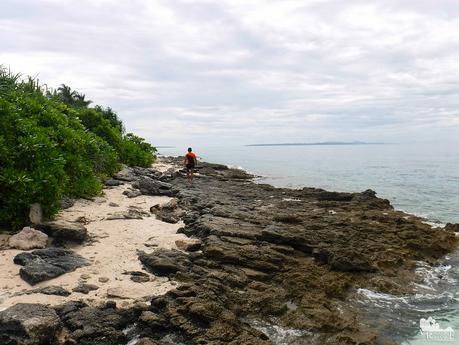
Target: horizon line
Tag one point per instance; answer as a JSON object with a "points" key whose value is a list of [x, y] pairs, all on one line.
{"points": [[321, 143]]}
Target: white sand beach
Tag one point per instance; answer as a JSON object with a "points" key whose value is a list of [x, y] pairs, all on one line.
{"points": [[111, 251]]}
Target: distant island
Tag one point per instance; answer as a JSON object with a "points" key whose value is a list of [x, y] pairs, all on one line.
{"points": [[322, 143]]}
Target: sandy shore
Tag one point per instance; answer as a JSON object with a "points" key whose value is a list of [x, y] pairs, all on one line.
{"points": [[112, 251]]}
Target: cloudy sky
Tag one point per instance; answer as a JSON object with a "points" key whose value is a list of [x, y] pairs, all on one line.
{"points": [[199, 72]]}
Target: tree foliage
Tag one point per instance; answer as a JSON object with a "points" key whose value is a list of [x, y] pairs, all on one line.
{"points": [[132, 155], [53, 145]]}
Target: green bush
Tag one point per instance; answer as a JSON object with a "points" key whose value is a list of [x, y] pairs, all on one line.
{"points": [[132, 150], [50, 149], [135, 151]]}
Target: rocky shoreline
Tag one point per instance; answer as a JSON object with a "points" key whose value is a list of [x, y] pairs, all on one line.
{"points": [[259, 258]]}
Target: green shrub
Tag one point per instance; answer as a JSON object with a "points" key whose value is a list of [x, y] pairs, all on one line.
{"points": [[136, 152], [31, 163], [94, 121], [50, 149]]}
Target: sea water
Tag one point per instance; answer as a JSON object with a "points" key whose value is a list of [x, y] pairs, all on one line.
{"points": [[422, 179]]}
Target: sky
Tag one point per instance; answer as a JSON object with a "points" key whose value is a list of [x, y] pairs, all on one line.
{"points": [[234, 72]]}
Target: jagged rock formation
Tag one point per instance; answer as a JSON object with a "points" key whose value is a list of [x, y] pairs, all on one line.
{"points": [[263, 255], [292, 256]]}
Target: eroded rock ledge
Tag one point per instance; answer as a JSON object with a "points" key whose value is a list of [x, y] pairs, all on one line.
{"points": [[268, 256]]}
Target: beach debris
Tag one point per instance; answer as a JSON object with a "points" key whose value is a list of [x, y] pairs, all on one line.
{"points": [[28, 238]]}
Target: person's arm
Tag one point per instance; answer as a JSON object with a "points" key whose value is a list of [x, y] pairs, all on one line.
{"points": [[184, 160], [195, 160]]}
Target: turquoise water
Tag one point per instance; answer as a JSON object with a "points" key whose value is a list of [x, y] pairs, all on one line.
{"points": [[419, 179]]}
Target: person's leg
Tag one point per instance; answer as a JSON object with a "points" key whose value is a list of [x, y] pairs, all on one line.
{"points": [[189, 175]]}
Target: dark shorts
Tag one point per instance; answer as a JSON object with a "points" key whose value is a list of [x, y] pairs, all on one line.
{"points": [[190, 168]]}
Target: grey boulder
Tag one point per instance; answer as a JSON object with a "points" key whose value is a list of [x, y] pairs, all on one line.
{"points": [[29, 324], [44, 264], [148, 186], [113, 183], [64, 231]]}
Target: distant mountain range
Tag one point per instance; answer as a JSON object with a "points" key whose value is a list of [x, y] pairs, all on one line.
{"points": [[322, 143]]}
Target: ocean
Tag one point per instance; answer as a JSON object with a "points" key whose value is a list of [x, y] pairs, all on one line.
{"points": [[421, 179]]}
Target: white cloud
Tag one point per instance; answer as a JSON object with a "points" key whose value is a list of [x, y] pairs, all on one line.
{"points": [[181, 71]]}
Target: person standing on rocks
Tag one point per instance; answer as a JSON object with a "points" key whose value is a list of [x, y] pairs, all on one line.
{"points": [[190, 163]]}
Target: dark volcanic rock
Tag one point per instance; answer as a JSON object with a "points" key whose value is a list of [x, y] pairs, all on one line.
{"points": [[264, 249], [289, 256], [85, 288], [350, 260], [214, 167], [67, 203], [138, 276], [44, 264], [64, 231], [189, 245], [146, 341], [222, 171], [168, 212], [51, 290], [149, 186], [452, 227], [334, 196], [125, 174], [164, 262], [149, 172], [113, 183], [29, 324], [89, 325], [132, 193]]}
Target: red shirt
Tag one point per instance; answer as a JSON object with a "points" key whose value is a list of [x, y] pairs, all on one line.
{"points": [[190, 158]]}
